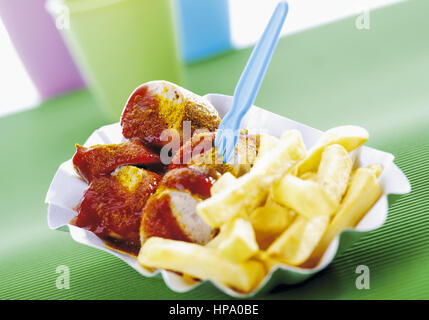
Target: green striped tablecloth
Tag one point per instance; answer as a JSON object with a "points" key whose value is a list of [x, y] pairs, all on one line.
{"points": [[336, 74]]}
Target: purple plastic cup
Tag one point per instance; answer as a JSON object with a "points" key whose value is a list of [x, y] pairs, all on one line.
{"points": [[40, 46]]}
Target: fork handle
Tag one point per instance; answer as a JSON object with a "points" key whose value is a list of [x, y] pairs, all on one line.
{"points": [[253, 74]]}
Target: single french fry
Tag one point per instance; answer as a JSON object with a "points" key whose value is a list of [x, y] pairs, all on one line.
{"points": [[223, 183], [334, 171], [269, 221], [363, 191], [200, 262], [267, 143], [251, 189], [305, 197], [296, 244], [350, 137], [236, 240]]}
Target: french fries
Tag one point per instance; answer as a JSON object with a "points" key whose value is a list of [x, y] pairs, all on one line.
{"points": [[236, 240], [334, 171], [363, 192], [305, 197], [201, 262], [350, 137], [251, 189], [269, 221], [223, 183], [285, 211], [267, 143], [295, 245]]}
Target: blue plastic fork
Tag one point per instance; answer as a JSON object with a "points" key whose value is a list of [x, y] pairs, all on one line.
{"points": [[249, 83]]}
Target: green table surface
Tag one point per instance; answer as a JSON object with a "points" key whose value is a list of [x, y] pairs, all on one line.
{"points": [[329, 76]]}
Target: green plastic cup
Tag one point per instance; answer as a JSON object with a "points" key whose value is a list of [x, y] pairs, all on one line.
{"points": [[120, 44]]}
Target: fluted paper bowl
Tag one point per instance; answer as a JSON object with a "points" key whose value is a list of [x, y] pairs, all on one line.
{"points": [[67, 190]]}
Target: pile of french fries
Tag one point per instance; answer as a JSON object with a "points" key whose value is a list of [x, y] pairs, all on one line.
{"points": [[285, 211]]}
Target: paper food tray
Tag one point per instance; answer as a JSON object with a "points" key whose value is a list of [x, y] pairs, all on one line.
{"points": [[67, 189]]}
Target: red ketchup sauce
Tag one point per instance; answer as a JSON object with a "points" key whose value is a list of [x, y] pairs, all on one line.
{"points": [[113, 212], [100, 160], [141, 119]]}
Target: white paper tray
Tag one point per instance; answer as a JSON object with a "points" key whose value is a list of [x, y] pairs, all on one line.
{"points": [[67, 190]]}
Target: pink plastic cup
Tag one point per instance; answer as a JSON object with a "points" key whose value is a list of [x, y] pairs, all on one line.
{"points": [[40, 46]]}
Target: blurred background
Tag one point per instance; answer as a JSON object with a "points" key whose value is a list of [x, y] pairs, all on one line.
{"points": [[68, 66], [56, 46]]}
